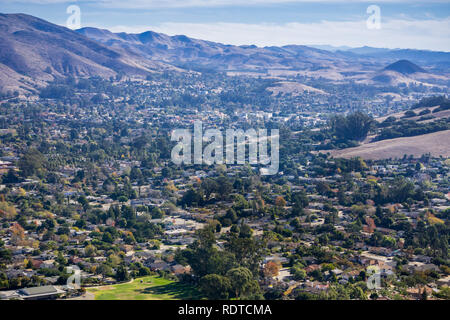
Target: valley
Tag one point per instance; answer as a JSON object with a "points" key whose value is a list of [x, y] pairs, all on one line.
{"points": [[94, 203]]}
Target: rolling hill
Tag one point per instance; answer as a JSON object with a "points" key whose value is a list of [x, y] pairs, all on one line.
{"points": [[422, 129], [436, 143], [404, 67], [34, 51], [365, 65], [405, 72], [187, 52]]}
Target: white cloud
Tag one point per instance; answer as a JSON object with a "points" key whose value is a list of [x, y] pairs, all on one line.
{"points": [[426, 33], [418, 34]]}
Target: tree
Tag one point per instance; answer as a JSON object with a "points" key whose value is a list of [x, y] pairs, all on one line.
{"points": [[5, 255], [114, 260], [241, 280], [199, 253], [424, 294], [298, 272], [104, 270], [280, 202], [122, 274], [157, 213], [409, 114], [271, 269], [107, 237], [231, 214], [84, 202], [215, 286], [90, 250], [224, 187], [401, 189], [248, 251], [323, 188], [300, 201], [11, 177], [7, 211], [245, 231], [135, 174], [192, 198], [239, 203], [54, 91], [204, 258], [31, 162], [355, 126], [17, 233], [129, 239]]}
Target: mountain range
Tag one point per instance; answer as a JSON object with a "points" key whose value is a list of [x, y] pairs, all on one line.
{"points": [[187, 52], [34, 52]]}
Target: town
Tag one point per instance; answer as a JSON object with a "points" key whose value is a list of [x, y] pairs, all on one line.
{"points": [[87, 180]]}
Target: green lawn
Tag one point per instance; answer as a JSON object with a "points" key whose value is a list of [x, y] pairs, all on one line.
{"points": [[146, 288]]}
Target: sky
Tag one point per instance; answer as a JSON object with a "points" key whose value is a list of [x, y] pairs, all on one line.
{"points": [[402, 23]]}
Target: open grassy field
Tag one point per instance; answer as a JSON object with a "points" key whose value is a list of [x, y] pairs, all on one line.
{"points": [[146, 288], [293, 88], [437, 144]]}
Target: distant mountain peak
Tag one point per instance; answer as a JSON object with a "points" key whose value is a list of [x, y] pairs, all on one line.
{"points": [[404, 67], [147, 36], [34, 52]]}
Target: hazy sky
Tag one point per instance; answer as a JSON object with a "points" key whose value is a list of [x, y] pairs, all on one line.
{"points": [[404, 24]]}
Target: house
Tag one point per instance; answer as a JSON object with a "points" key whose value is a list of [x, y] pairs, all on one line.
{"points": [[367, 259], [43, 292], [444, 282], [76, 260], [159, 265], [144, 254], [47, 264], [422, 258], [337, 271], [315, 287], [36, 263], [15, 273], [33, 293], [130, 257], [9, 295], [417, 292], [416, 266], [312, 268], [380, 250], [180, 269], [276, 258]]}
